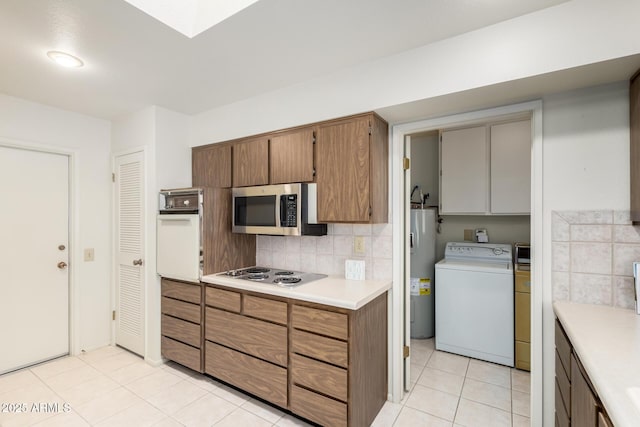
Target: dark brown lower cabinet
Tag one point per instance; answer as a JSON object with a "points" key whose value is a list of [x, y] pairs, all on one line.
{"points": [[584, 406], [264, 379], [323, 363], [576, 402], [338, 363], [182, 323]]}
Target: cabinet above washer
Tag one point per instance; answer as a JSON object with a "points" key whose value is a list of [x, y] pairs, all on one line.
{"points": [[486, 169]]}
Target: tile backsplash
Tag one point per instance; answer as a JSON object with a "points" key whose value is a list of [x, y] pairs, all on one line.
{"points": [[327, 254], [592, 256]]}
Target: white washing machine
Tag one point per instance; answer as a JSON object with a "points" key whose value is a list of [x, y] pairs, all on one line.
{"points": [[474, 301]]}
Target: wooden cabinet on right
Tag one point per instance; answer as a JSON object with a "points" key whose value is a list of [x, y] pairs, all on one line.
{"points": [[338, 363], [634, 124], [576, 401], [523, 319], [352, 170]]}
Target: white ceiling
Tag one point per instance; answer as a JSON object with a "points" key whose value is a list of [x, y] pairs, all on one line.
{"points": [[133, 60]]}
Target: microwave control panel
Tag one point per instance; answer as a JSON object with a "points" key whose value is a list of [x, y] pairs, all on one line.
{"points": [[288, 218]]}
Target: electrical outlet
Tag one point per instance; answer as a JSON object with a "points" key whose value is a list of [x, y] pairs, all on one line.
{"points": [[358, 245], [468, 235], [88, 254]]}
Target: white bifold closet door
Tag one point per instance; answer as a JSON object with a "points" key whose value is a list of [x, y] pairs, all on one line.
{"points": [[130, 266]]}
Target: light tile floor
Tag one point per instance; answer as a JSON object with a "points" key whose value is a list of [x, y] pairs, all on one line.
{"points": [[112, 387], [451, 390]]}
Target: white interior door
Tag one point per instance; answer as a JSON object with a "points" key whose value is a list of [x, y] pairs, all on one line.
{"points": [[34, 230], [130, 270], [407, 266]]}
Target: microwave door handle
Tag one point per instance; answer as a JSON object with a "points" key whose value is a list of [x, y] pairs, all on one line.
{"points": [[283, 210]]}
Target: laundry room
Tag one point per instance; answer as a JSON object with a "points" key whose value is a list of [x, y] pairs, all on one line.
{"points": [[470, 200]]}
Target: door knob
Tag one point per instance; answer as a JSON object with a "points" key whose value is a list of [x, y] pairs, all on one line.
{"points": [[62, 265], [137, 262]]}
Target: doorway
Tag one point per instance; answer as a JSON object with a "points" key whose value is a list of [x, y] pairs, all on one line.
{"points": [[400, 199], [34, 256]]}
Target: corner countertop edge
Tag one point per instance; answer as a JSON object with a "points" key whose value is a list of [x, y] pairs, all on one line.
{"points": [[607, 342]]}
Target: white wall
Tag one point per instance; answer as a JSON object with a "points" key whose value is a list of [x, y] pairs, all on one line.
{"points": [[164, 135], [88, 138], [173, 155], [568, 35], [586, 167]]}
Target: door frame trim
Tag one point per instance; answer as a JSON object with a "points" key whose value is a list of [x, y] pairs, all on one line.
{"points": [[74, 257], [397, 140]]}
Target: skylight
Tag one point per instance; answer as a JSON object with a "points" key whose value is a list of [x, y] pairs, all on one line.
{"points": [[191, 17]]}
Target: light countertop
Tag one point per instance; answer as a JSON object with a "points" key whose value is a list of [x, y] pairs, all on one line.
{"points": [[333, 290], [607, 341]]}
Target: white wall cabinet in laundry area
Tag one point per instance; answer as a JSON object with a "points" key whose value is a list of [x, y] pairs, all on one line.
{"points": [[486, 169]]}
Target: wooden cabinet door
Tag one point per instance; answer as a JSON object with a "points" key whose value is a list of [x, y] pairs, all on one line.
{"points": [[343, 171], [251, 162], [511, 168], [603, 420], [584, 406], [291, 157], [211, 166], [634, 122], [464, 179]]}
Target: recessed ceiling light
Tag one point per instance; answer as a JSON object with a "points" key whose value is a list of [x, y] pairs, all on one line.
{"points": [[64, 59]]}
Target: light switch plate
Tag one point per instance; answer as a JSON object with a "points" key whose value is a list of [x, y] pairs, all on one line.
{"points": [[354, 269], [88, 254]]}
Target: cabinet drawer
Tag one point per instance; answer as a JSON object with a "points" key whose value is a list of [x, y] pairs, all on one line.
{"points": [[523, 316], [320, 321], [523, 281], [319, 409], [263, 379], [563, 385], [182, 291], [181, 353], [181, 330], [563, 347], [181, 309], [318, 376], [326, 349], [227, 300], [255, 337], [562, 417], [523, 355], [266, 309]]}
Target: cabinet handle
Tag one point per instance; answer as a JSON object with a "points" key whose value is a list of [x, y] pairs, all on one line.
{"points": [[62, 265], [137, 262]]}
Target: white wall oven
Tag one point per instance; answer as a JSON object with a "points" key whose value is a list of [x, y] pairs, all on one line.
{"points": [[179, 234]]}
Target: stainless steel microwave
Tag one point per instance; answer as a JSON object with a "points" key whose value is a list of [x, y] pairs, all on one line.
{"points": [[282, 209]]}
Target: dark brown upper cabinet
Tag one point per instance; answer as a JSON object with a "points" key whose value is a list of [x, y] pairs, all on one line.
{"points": [[251, 162], [291, 156], [352, 170], [211, 166]]}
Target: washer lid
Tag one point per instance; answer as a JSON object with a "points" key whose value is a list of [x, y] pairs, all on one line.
{"points": [[478, 251], [499, 267]]}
